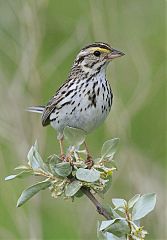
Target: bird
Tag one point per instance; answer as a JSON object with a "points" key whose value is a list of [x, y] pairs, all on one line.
{"points": [[84, 100]]}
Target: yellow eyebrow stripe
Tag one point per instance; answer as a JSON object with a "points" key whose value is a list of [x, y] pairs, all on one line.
{"points": [[99, 49]]}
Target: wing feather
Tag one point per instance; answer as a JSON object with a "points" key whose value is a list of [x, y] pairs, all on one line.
{"points": [[53, 103]]}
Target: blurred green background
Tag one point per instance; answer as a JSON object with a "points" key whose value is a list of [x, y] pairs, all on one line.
{"points": [[38, 43]]}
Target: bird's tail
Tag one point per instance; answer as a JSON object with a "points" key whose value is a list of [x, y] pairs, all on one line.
{"points": [[36, 109]]}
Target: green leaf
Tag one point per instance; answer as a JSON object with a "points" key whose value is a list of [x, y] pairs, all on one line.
{"points": [[74, 136], [87, 175], [100, 234], [107, 184], [109, 148], [63, 169], [143, 206], [52, 161], [133, 200], [79, 194], [119, 228], [22, 167], [105, 224], [110, 236], [10, 177], [114, 213], [31, 191], [119, 202], [19, 175], [34, 158], [137, 222], [73, 188], [96, 160], [110, 164], [36, 146]]}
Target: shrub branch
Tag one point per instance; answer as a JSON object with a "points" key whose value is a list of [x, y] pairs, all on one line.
{"points": [[100, 209]]}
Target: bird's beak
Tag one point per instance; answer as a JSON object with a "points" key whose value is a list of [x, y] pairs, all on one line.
{"points": [[114, 54]]}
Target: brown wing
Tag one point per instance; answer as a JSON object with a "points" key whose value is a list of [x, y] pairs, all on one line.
{"points": [[52, 104], [50, 107], [47, 111]]}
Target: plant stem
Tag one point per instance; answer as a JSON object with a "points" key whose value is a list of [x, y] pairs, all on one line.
{"points": [[128, 218], [100, 209]]}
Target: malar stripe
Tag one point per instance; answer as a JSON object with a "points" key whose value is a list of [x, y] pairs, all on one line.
{"points": [[80, 59]]}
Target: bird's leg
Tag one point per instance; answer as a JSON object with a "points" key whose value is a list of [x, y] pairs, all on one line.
{"points": [[62, 155], [89, 160], [86, 148]]}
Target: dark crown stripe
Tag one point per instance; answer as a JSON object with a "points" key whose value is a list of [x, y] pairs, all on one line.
{"points": [[98, 44]]}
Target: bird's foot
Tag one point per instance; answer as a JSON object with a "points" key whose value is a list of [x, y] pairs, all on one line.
{"points": [[62, 156], [89, 161]]}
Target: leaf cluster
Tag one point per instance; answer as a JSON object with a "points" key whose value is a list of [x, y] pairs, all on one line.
{"points": [[65, 177], [68, 177], [125, 223]]}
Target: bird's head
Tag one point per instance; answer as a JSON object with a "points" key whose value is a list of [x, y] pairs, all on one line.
{"points": [[96, 55]]}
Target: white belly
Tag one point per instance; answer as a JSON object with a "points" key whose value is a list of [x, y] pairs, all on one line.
{"points": [[82, 113]]}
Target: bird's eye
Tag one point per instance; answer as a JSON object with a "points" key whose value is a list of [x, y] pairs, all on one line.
{"points": [[97, 53]]}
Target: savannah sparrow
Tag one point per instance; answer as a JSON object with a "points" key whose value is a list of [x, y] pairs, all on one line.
{"points": [[85, 99]]}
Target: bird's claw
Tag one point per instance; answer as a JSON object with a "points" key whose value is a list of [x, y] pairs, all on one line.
{"points": [[63, 157], [89, 161]]}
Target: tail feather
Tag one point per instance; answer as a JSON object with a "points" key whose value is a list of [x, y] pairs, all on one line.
{"points": [[36, 109]]}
